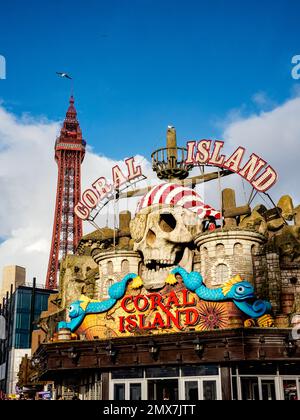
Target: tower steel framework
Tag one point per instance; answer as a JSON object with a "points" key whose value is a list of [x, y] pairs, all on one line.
{"points": [[67, 227]]}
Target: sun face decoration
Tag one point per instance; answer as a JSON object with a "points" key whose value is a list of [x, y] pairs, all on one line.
{"points": [[213, 316]]}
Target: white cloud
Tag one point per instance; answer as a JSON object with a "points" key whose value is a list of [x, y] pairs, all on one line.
{"points": [[28, 176], [262, 100], [27, 182], [275, 137]]}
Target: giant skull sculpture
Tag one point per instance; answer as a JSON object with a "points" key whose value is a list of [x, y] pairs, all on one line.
{"points": [[163, 231]]}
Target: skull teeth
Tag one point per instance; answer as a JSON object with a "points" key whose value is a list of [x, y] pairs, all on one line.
{"points": [[166, 269], [159, 261]]}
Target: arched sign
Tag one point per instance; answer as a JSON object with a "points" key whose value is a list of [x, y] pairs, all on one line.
{"points": [[101, 188], [208, 152], [204, 152]]}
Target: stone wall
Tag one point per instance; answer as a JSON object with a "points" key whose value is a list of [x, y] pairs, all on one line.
{"points": [[260, 271], [74, 278], [113, 266], [274, 278], [288, 274], [227, 253], [290, 280]]}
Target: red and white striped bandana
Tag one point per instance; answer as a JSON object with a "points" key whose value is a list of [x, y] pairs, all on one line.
{"points": [[177, 195]]}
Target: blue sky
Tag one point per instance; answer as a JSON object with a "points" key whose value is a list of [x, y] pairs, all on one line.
{"points": [[139, 65]]}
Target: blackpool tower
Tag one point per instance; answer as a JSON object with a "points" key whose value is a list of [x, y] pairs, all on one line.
{"points": [[67, 227]]}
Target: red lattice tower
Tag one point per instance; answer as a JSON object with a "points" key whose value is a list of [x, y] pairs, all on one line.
{"points": [[67, 227]]}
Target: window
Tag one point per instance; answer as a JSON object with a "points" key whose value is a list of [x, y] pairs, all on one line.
{"points": [[254, 249], [289, 389], [162, 372], [258, 369], [234, 388], [41, 303], [201, 389], [22, 340], [290, 369], [22, 317], [264, 381], [127, 373], [222, 274], [268, 390], [24, 299], [23, 321], [238, 249], [220, 249], [125, 266], [209, 390], [110, 267], [110, 282], [135, 391], [202, 370], [249, 388], [128, 390], [191, 391], [163, 389]]}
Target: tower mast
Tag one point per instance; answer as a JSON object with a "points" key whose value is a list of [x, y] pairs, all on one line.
{"points": [[67, 227]]}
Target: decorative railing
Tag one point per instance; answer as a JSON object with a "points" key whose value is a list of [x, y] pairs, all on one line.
{"points": [[169, 162], [37, 285]]}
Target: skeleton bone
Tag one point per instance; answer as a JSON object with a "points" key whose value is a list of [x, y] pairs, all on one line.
{"points": [[164, 235]]}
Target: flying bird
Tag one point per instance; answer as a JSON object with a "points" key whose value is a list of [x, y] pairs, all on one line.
{"points": [[63, 75]]}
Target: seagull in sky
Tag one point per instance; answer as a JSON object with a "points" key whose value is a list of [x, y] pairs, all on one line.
{"points": [[60, 74]]}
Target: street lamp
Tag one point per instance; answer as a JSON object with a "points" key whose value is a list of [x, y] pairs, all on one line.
{"points": [[198, 346], [111, 351], [153, 349]]}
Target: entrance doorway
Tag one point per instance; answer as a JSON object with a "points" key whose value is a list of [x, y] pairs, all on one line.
{"points": [[201, 389], [162, 389], [129, 390], [158, 383]]}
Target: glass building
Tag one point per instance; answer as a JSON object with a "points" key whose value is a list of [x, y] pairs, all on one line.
{"points": [[21, 311]]}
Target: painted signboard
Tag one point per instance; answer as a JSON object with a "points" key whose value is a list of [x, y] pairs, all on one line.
{"points": [[184, 304]]}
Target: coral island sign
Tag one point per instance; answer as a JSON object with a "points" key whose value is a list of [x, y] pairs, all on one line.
{"points": [[184, 312], [204, 152], [208, 152], [184, 304], [101, 188]]}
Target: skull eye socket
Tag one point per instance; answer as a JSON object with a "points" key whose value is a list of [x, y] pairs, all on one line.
{"points": [[167, 222]]}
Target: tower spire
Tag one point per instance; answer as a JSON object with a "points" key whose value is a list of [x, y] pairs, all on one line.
{"points": [[67, 227], [71, 112]]}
